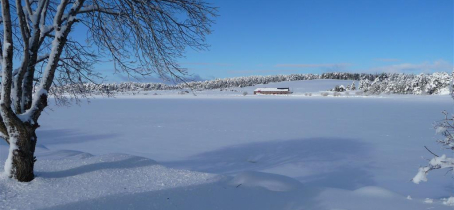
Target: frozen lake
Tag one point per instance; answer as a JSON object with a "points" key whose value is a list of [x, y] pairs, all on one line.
{"points": [[335, 142]]}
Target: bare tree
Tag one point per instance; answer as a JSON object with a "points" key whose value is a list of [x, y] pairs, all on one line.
{"points": [[141, 37]]}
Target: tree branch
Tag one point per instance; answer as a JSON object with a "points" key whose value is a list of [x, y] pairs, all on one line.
{"points": [[431, 152]]}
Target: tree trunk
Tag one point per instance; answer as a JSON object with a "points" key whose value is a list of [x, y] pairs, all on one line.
{"points": [[23, 159]]}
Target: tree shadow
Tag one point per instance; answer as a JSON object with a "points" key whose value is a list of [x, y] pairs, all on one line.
{"points": [[322, 162], [130, 162], [340, 163], [64, 136], [217, 195]]}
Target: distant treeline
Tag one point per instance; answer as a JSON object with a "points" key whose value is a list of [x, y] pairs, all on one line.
{"points": [[375, 83], [408, 83]]}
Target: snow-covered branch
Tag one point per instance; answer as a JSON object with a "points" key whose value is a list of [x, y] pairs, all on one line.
{"points": [[42, 58], [446, 129], [98, 9], [435, 163]]}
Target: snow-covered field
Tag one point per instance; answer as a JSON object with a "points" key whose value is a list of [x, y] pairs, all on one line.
{"points": [[223, 150]]}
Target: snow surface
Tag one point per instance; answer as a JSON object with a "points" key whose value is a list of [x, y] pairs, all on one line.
{"points": [[273, 182], [448, 201], [223, 150], [80, 176]]}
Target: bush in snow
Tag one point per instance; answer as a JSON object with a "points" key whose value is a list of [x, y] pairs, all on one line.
{"points": [[446, 129], [324, 94], [336, 94], [448, 201], [245, 93]]}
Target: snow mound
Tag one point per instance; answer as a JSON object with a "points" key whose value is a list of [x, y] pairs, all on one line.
{"points": [[272, 182], [80, 177], [66, 154], [374, 191], [448, 201]]}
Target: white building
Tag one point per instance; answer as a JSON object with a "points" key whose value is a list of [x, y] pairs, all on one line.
{"points": [[272, 91]]}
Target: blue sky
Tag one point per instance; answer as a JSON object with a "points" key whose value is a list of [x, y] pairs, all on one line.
{"points": [[267, 37]]}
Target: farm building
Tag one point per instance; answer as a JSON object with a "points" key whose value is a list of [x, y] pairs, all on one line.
{"points": [[272, 91]]}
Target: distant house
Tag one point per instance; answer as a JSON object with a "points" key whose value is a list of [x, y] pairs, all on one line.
{"points": [[272, 91]]}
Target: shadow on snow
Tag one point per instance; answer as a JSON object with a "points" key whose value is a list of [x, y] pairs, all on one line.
{"points": [[338, 163], [217, 195], [321, 162], [130, 162], [64, 136]]}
